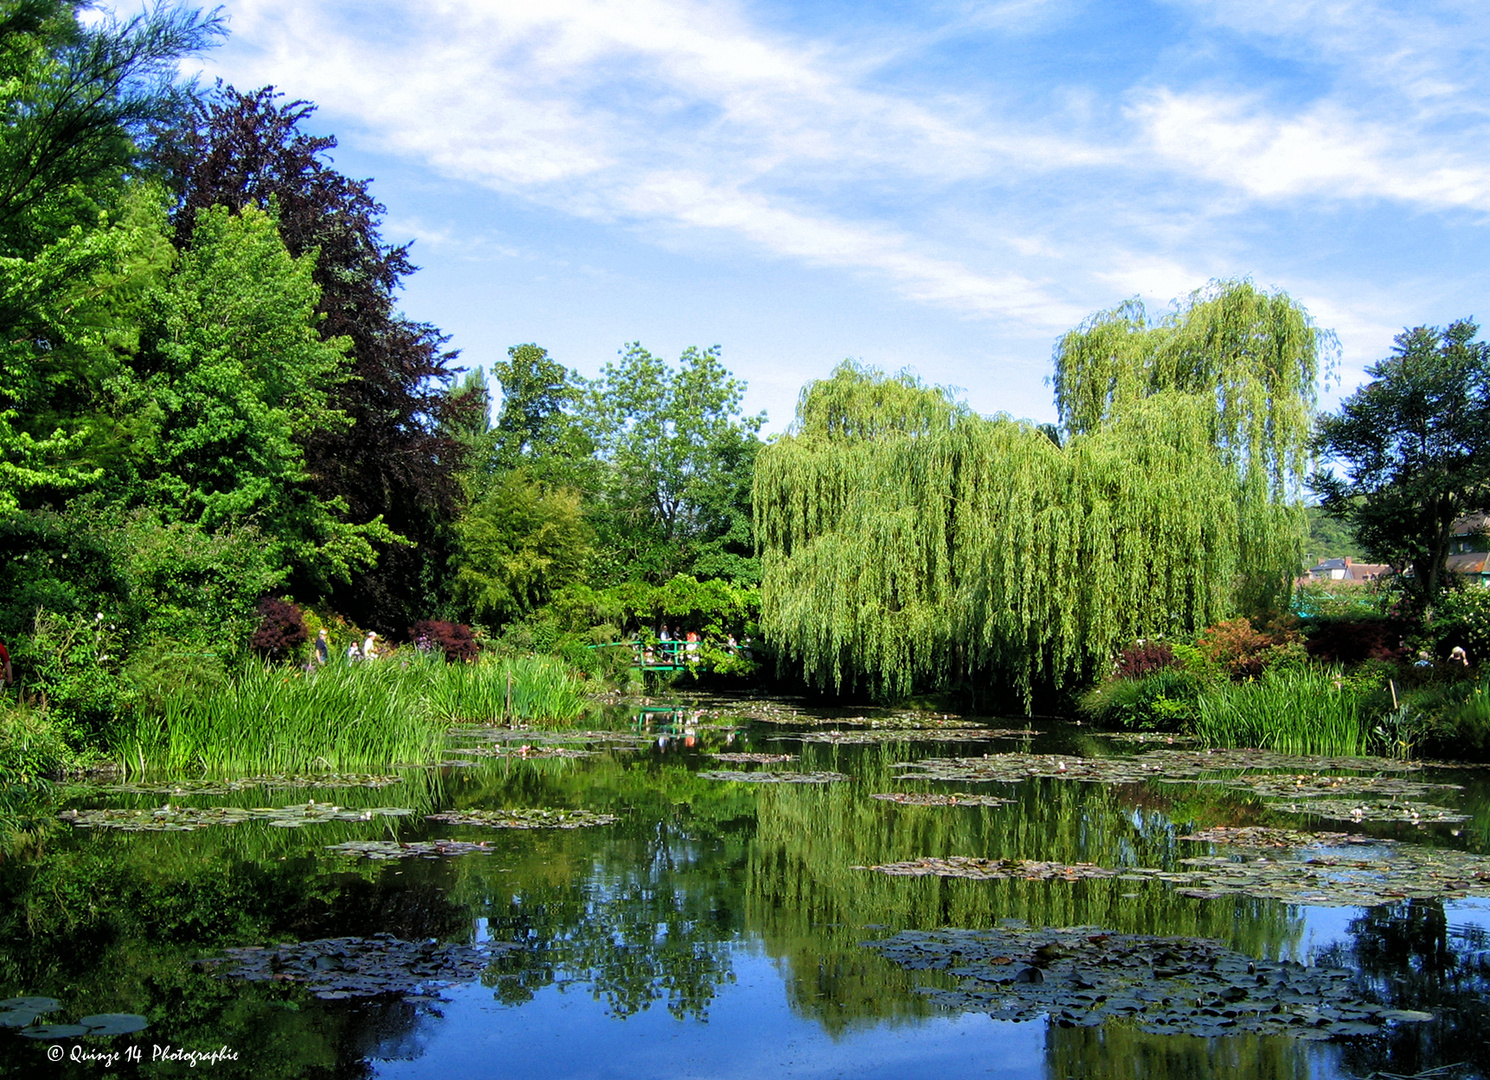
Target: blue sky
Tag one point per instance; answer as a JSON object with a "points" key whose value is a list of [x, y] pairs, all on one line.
{"points": [[943, 186]]}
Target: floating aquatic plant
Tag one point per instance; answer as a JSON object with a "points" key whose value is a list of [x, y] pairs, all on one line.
{"points": [[907, 734], [925, 798], [186, 818], [351, 967], [1166, 985], [224, 787], [1178, 765], [775, 777], [397, 849], [757, 759], [1262, 836], [1403, 810], [525, 818]]}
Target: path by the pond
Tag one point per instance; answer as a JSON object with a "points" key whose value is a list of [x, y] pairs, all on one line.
{"points": [[720, 889]]}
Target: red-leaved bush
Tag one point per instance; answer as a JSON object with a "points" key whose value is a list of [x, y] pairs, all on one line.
{"points": [[281, 629], [455, 640], [1144, 658]]}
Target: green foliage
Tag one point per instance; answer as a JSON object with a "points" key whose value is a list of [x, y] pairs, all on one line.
{"points": [[342, 717], [1295, 710], [1167, 700], [33, 746], [950, 544], [538, 428], [1328, 538], [1462, 617], [239, 376], [517, 543], [1415, 446], [677, 458]]}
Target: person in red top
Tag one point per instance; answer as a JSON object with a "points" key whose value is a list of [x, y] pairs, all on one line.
{"points": [[6, 677]]}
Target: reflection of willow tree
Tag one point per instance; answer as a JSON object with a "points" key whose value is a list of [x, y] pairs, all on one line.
{"points": [[806, 898], [1411, 956], [640, 912], [1117, 1052]]}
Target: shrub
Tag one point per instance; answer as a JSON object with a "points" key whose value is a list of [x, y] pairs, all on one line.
{"points": [[1354, 641], [1463, 618], [1243, 651], [1144, 658], [1165, 700], [455, 640], [281, 630]]}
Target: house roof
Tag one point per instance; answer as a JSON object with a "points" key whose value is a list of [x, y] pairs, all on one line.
{"points": [[1471, 524], [1469, 562], [1354, 571]]}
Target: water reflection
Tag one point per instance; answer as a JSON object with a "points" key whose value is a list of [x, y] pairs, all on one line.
{"points": [[707, 905]]}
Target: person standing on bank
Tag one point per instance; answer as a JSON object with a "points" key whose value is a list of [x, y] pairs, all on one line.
{"points": [[323, 648]]}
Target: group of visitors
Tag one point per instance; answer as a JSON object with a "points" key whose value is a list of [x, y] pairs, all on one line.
{"points": [[321, 651]]}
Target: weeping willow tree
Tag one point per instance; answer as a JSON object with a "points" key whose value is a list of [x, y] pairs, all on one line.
{"points": [[906, 540]]}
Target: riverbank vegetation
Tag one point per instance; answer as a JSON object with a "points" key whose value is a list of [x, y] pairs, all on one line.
{"points": [[213, 412]]}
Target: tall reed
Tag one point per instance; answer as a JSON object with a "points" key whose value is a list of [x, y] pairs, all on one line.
{"points": [[343, 717], [1295, 711]]}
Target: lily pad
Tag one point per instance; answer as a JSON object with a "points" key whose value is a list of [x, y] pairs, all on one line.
{"points": [[925, 798], [1171, 985], [113, 1023], [1261, 836], [1168, 765], [1325, 785], [525, 818], [17, 1018], [170, 818], [757, 759], [525, 752], [223, 787], [1148, 738], [1404, 810], [962, 866], [764, 777], [395, 849], [909, 734], [54, 1031], [352, 967], [31, 1004]]}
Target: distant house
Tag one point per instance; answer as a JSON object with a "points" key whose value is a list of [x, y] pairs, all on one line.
{"points": [[1470, 533], [1347, 569]]}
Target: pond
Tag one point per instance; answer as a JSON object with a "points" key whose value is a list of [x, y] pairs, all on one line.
{"points": [[660, 896]]}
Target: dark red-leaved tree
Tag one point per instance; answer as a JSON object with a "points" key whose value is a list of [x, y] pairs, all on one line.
{"points": [[397, 459], [455, 640], [281, 629]]}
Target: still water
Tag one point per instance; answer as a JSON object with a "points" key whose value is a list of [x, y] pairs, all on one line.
{"points": [[714, 929]]}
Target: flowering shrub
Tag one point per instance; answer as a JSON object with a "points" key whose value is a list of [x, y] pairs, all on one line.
{"points": [[455, 640], [1144, 658], [281, 629], [1462, 617], [1243, 651]]}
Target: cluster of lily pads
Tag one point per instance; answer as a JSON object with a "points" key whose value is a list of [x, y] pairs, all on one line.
{"points": [[929, 798], [21, 1014], [765, 777], [170, 818], [1304, 876], [1264, 836], [1175, 765], [525, 818], [352, 967], [1084, 977], [224, 787], [524, 752], [413, 849], [756, 759], [907, 734]]}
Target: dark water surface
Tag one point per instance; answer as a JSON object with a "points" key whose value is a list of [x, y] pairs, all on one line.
{"points": [[714, 930]]}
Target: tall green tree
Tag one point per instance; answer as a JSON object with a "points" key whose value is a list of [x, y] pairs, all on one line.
{"points": [[234, 373], [1413, 446], [74, 103], [677, 458]]}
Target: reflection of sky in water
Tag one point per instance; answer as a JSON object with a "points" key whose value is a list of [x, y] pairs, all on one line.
{"points": [[751, 1033]]}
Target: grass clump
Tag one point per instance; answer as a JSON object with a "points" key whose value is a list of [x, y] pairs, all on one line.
{"points": [[1294, 710], [342, 717]]}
